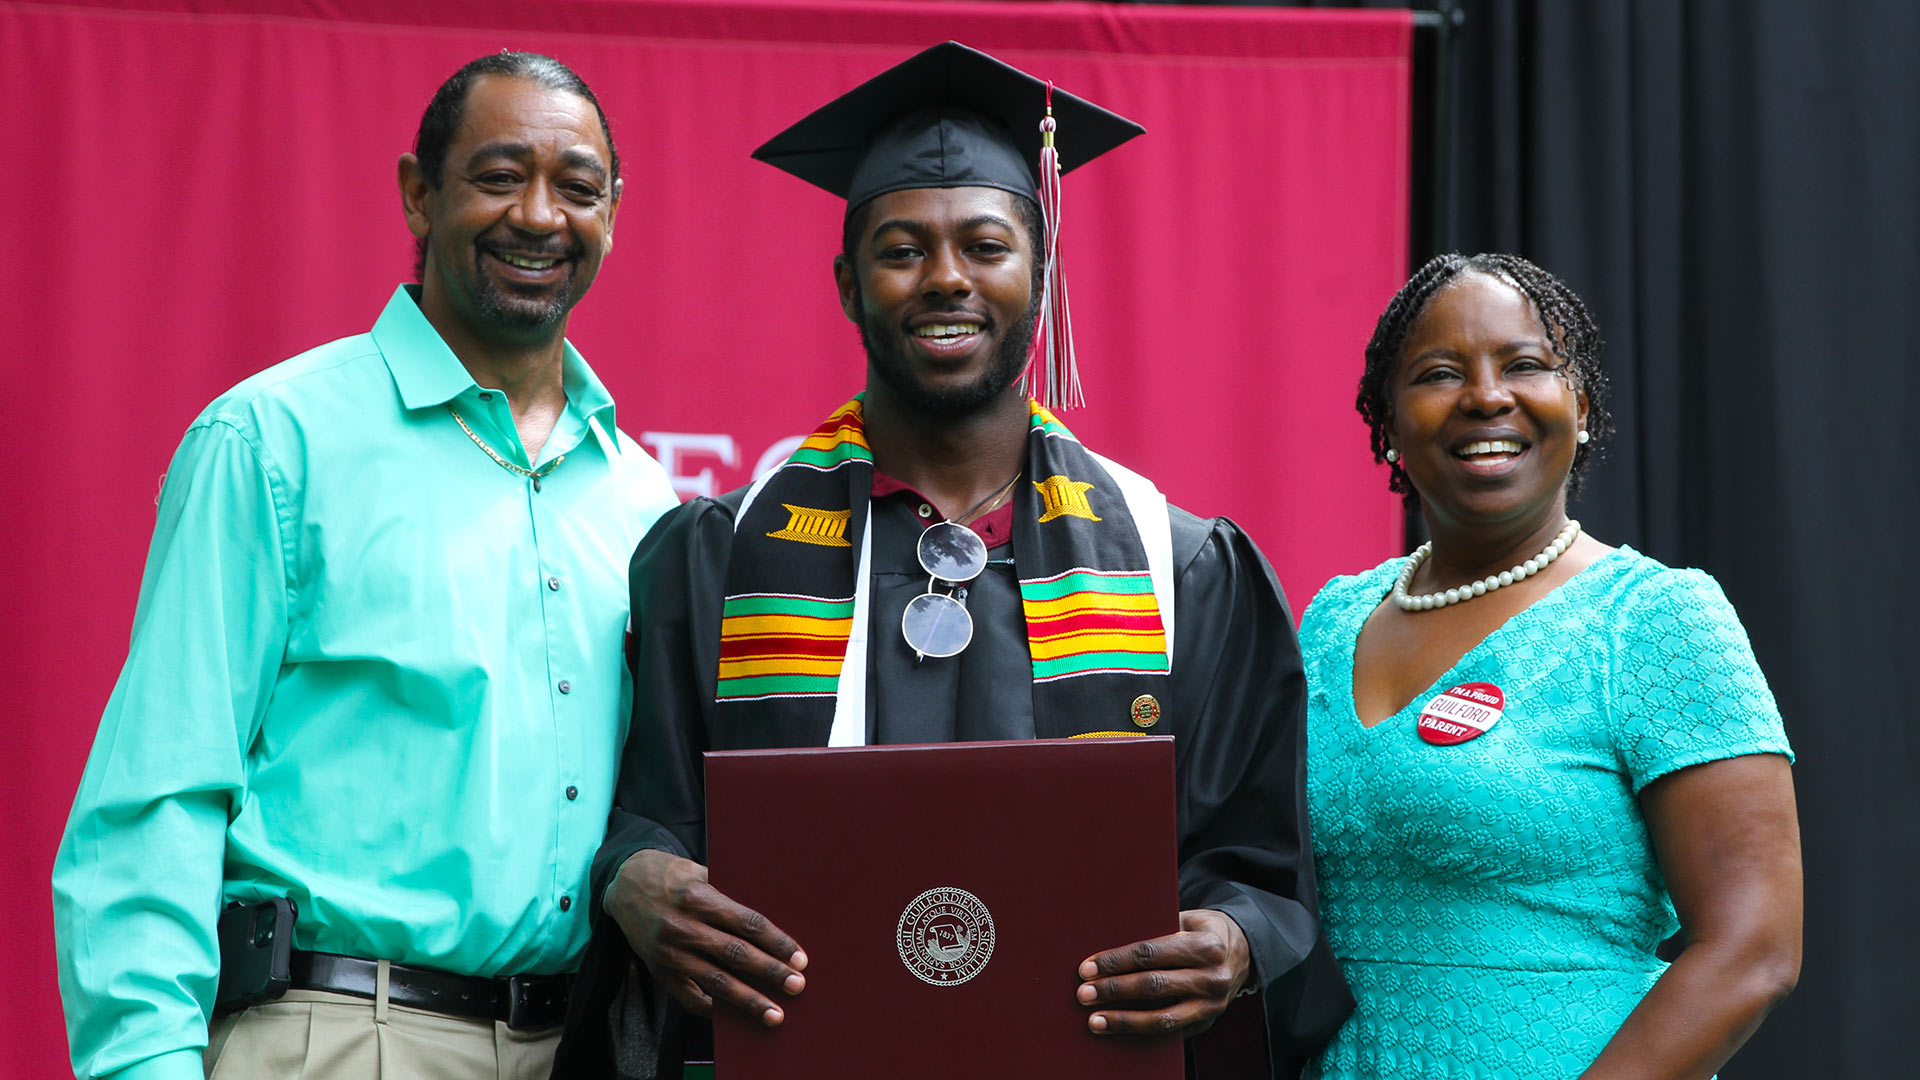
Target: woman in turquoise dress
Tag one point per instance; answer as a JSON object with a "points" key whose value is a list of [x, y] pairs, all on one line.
{"points": [[1534, 757]]}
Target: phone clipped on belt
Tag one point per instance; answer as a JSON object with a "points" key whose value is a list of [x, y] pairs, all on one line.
{"points": [[256, 950]]}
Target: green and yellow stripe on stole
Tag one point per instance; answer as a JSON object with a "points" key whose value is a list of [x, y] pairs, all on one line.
{"points": [[1039, 416], [840, 439], [782, 645], [1085, 621]]}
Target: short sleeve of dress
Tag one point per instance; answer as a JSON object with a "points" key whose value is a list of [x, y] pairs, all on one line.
{"points": [[1334, 602], [1313, 619], [1686, 688]]}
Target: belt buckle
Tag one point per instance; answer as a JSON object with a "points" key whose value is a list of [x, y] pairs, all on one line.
{"points": [[521, 1007]]}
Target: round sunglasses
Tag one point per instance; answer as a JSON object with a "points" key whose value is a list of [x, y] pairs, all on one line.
{"points": [[937, 623]]}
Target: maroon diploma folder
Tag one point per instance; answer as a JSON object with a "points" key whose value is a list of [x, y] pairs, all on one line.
{"points": [[945, 896]]}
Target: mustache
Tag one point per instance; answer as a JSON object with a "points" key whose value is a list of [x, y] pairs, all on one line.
{"points": [[988, 322]]}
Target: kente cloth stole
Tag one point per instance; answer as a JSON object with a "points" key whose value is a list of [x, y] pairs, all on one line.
{"points": [[1091, 544]]}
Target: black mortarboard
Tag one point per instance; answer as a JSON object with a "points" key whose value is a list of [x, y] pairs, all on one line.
{"points": [[948, 117]]}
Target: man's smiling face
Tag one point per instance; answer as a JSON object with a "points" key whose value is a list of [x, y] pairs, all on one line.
{"points": [[523, 216]]}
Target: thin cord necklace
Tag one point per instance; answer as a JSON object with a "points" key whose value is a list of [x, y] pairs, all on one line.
{"points": [[981, 507], [1485, 585], [518, 470]]}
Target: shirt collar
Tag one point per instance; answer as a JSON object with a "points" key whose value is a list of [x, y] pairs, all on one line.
{"points": [[427, 373], [995, 526]]}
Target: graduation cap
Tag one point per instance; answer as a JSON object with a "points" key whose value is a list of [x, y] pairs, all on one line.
{"points": [[955, 117]]}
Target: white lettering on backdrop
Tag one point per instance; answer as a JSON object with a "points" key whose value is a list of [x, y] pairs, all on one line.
{"points": [[674, 450]]}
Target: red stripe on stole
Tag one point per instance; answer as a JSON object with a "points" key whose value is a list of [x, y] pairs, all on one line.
{"points": [[1094, 621], [770, 645], [832, 424]]}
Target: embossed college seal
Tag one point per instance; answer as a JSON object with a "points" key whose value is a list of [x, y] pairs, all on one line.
{"points": [[945, 936]]}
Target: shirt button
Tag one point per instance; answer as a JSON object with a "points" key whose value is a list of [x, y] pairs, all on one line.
{"points": [[572, 793], [925, 511], [553, 583], [486, 397], [566, 687], [566, 903]]}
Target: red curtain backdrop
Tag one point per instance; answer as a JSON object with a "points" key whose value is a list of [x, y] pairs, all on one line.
{"points": [[197, 189]]}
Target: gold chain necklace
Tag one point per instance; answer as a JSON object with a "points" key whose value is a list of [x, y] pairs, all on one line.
{"points": [[518, 470]]}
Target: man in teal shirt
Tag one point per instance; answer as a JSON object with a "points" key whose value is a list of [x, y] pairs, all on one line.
{"points": [[375, 665]]}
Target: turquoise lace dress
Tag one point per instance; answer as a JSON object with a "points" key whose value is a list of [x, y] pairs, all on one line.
{"points": [[1495, 904]]}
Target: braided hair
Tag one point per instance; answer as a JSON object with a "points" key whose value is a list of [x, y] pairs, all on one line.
{"points": [[1571, 334]]}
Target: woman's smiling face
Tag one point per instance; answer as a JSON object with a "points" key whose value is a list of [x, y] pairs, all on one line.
{"points": [[1484, 416]]}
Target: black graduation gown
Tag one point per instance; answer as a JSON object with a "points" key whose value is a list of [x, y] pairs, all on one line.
{"points": [[1235, 703]]}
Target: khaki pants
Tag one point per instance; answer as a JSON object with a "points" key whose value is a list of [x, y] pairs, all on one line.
{"points": [[317, 1035]]}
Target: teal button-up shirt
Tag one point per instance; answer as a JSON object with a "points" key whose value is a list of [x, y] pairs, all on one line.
{"points": [[371, 670]]}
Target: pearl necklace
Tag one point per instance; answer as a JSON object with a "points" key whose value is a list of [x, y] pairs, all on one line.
{"points": [[1484, 586]]}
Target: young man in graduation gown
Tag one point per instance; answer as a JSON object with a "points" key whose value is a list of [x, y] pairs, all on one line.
{"points": [[1100, 609]]}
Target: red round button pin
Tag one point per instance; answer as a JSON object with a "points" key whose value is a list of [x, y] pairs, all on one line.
{"points": [[1460, 713]]}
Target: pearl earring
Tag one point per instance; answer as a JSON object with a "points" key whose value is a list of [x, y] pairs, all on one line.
{"points": [[1394, 455], [1583, 437]]}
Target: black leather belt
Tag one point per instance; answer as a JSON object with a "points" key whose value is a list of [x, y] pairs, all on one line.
{"points": [[525, 1002]]}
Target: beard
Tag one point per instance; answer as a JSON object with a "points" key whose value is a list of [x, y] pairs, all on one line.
{"points": [[503, 308], [886, 354]]}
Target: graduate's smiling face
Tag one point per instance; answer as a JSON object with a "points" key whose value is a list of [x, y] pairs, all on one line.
{"points": [[941, 284]]}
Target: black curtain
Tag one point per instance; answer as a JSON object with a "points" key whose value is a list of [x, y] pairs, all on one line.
{"points": [[1732, 185]]}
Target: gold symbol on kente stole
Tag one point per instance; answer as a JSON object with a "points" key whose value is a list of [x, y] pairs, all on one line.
{"points": [[1064, 498], [828, 528]]}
